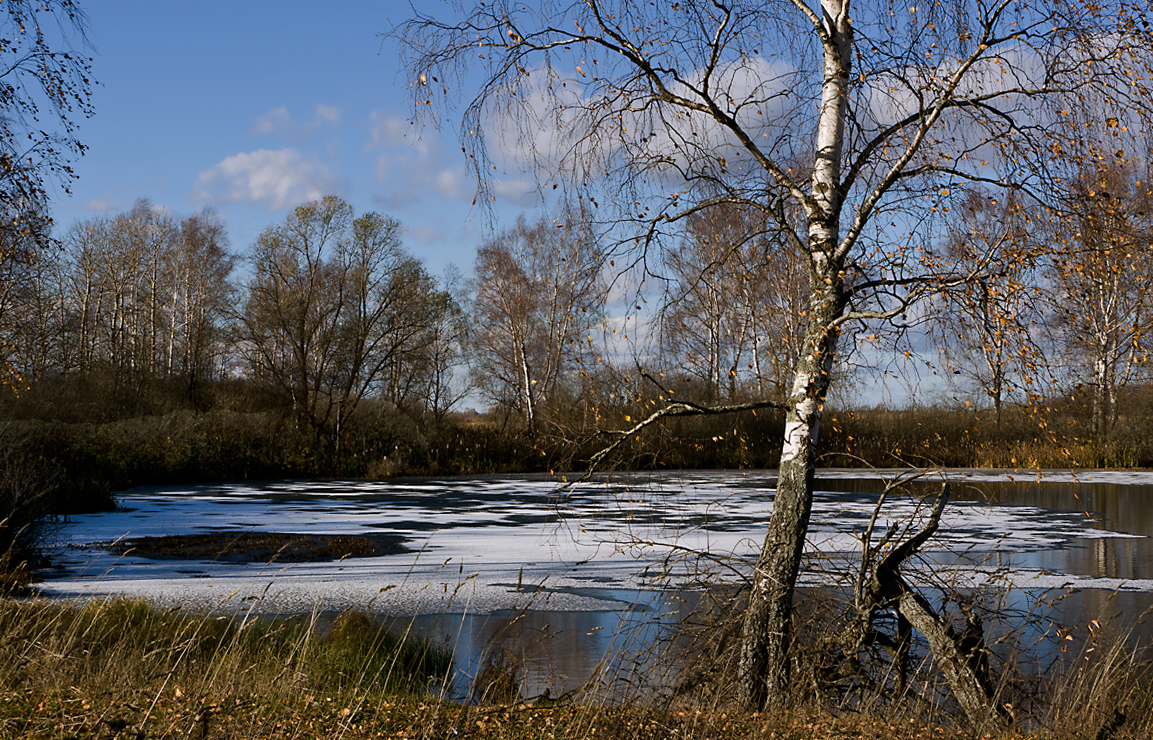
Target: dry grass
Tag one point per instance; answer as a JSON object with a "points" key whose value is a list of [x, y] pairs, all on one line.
{"points": [[1106, 693], [122, 669], [114, 664]]}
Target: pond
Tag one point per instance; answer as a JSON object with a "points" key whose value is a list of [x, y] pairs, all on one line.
{"points": [[564, 573]]}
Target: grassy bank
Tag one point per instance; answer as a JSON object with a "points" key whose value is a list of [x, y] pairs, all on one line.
{"points": [[121, 669], [99, 669], [1042, 437], [317, 717]]}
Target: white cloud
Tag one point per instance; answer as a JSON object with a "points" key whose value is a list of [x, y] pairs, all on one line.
{"points": [[520, 192], [451, 183], [279, 179], [329, 114], [385, 131], [102, 204], [410, 166], [274, 122], [426, 235], [279, 122]]}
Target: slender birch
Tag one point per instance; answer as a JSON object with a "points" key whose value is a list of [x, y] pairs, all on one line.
{"points": [[653, 111]]}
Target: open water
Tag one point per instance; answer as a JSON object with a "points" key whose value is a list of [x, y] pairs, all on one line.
{"points": [[561, 574]]}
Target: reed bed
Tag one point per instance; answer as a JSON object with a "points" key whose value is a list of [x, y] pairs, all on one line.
{"points": [[125, 669], [87, 670]]}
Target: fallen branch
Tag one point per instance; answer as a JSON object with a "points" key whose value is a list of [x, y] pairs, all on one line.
{"points": [[958, 656]]}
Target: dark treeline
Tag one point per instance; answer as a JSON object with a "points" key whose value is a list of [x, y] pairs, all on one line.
{"points": [[144, 350], [140, 348]]}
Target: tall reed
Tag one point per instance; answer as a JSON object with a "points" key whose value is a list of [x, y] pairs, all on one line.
{"points": [[129, 664]]}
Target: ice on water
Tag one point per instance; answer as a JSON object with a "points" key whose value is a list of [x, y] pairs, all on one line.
{"points": [[569, 547]]}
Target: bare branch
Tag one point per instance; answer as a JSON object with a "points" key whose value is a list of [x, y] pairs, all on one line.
{"points": [[680, 408]]}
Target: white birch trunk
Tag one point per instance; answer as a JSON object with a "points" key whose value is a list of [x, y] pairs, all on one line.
{"points": [[766, 632]]}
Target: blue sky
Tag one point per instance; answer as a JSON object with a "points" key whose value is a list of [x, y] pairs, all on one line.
{"points": [[255, 106]]}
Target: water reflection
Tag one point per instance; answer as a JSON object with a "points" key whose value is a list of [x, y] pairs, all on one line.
{"points": [[609, 653], [478, 538], [1106, 507], [1034, 629]]}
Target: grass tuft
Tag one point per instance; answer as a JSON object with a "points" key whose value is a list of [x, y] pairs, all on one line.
{"points": [[124, 669]]}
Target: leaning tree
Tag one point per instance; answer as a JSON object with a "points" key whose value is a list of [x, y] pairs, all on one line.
{"points": [[867, 117]]}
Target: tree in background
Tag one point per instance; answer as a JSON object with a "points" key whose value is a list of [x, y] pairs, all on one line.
{"points": [[436, 368], [1102, 269], [537, 295], [735, 306], [45, 86], [119, 272], [664, 109], [199, 267], [334, 309], [985, 328], [30, 305], [289, 325], [129, 298]]}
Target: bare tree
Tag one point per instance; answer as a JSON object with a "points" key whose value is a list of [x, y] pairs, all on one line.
{"points": [[117, 277], [736, 305], [985, 328], [136, 296], [447, 330], [82, 278], [537, 294], [659, 110], [290, 319], [333, 305], [199, 266], [1103, 271]]}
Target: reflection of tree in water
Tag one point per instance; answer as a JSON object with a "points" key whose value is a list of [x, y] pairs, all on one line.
{"points": [[609, 655], [1108, 507]]}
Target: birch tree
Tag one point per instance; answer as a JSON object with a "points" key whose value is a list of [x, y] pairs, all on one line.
{"points": [[537, 295], [659, 110], [735, 306], [137, 295], [117, 278], [1103, 274], [45, 90], [986, 327], [199, 267]]}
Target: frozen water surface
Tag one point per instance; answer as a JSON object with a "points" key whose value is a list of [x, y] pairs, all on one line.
{"points": [[566, 573], [591, 546]]}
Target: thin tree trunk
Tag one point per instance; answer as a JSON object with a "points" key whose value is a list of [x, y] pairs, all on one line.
{"points": [[529, 406], [765, 634], [1099, 397]]}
